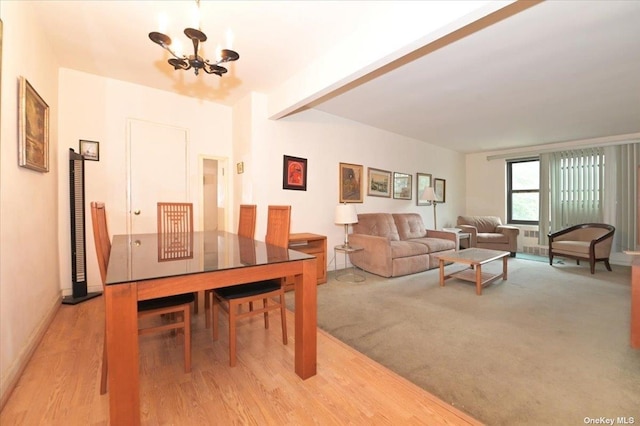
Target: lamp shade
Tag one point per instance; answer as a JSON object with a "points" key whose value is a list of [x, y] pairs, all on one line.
{"points": [[346, 214], [429, 194]]}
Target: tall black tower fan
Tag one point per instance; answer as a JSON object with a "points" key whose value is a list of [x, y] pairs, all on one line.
{"points": [[78, 232]]}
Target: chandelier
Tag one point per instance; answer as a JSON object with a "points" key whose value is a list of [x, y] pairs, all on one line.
{"points": [[194, 61]]}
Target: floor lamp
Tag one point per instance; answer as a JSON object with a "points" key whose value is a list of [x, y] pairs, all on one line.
{"points": [[430, 195], [346, 215]]}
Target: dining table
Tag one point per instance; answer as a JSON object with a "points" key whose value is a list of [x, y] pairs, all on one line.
{"points": [[139, 269]]}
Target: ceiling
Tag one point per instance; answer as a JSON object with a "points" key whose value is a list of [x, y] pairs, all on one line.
{"points": [[556, 71]]}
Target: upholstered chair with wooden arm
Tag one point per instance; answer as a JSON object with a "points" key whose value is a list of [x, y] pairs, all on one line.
{"points": [[587, 241]]}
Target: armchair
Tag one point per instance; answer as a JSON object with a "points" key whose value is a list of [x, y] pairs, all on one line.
{"points": [[489, 232], [588, 241]]}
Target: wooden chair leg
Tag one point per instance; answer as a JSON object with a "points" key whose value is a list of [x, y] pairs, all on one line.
{"points": [[283, 318], [103, 377], [606, 263], [208, 294], [187, 339], [265, 303], [592, 266], [214, 316], [233, 310], [195, 302]]}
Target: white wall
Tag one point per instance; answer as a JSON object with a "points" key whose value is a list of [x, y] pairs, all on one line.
{"points": [[29, 273], [96, 108], [325, 141]]}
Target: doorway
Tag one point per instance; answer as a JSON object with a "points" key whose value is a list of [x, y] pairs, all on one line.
{"points": [[214, 193]]}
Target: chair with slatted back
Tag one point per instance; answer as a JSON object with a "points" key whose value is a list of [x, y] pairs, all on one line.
{"points": [[270, 292], [175, 234], [246, 229], [178, 305]]}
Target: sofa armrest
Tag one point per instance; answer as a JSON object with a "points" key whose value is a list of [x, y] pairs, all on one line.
{"points": [[376, 257], [511, 231], [473, 234], [445, 235]]}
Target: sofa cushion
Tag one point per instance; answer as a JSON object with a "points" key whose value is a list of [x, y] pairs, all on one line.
{"points": [[435, 245], [377, 224], [482, 223], [409, 225], [406, 249], [577, 248], [489, 237]]}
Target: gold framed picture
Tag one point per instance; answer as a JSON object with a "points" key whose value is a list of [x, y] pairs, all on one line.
{"points": [[424, 181], [380, 184], [350, 178], [33, 128], [402, 186], [440, 188]]}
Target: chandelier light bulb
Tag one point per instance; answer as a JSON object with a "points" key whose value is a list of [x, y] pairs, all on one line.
{"points": [[229, 37], [163, 22]]}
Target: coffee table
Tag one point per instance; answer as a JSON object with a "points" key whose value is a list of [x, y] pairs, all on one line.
{"points": [[475, 258]]}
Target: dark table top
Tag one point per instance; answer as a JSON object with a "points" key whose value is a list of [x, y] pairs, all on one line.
{"points": [[139, 257]]}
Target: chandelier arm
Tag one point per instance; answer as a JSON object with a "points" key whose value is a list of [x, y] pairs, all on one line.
{"points": [[195, 47], [168, 49]]}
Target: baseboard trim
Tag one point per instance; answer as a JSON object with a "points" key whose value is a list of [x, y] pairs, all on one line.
{"points": [[8, 383]]}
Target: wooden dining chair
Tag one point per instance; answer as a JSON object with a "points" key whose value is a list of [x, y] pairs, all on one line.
{"points": [[178, 305], [246, 229], [270, 292], [247, 220], [175, 234]]}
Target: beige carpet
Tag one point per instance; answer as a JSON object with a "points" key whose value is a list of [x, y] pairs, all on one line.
{"points": [[549, 346]]}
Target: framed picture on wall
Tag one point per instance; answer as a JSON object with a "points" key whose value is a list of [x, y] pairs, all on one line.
{"points": [[402, 186], [90, 150], [350, 181], [33, 128], [440, 188], [294, 173], [423, 181], [379, 183]]}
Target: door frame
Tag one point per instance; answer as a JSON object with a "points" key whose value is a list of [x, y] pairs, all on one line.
{"points": [[223, 164]]}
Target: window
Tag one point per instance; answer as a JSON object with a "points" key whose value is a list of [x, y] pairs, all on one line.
{"points": [[523, 191]]}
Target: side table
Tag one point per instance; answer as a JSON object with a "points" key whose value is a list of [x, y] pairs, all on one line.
{"points": [[351, 275], [465, 240], [313, 244]]}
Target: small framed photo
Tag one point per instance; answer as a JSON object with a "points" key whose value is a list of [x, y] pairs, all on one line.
{"points": [[33, 129], [424, 181], [379, 183], [90, 150], [294, 173], [402, 186], [350, 177], [440, 188]]}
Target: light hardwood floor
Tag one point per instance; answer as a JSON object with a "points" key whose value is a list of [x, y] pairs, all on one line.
{"points": [[60, 385]]}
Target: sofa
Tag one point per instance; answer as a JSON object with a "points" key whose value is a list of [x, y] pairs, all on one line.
{"points": [[489, 232], [397, 244]]}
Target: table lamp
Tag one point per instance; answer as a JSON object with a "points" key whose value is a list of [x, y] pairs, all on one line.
{"points": [[346, 215], [430, 195]]}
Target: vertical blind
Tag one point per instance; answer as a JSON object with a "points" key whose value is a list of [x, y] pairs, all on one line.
{"points": [[575, 180], [578, 178], [627, 162], [577, 183]]}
